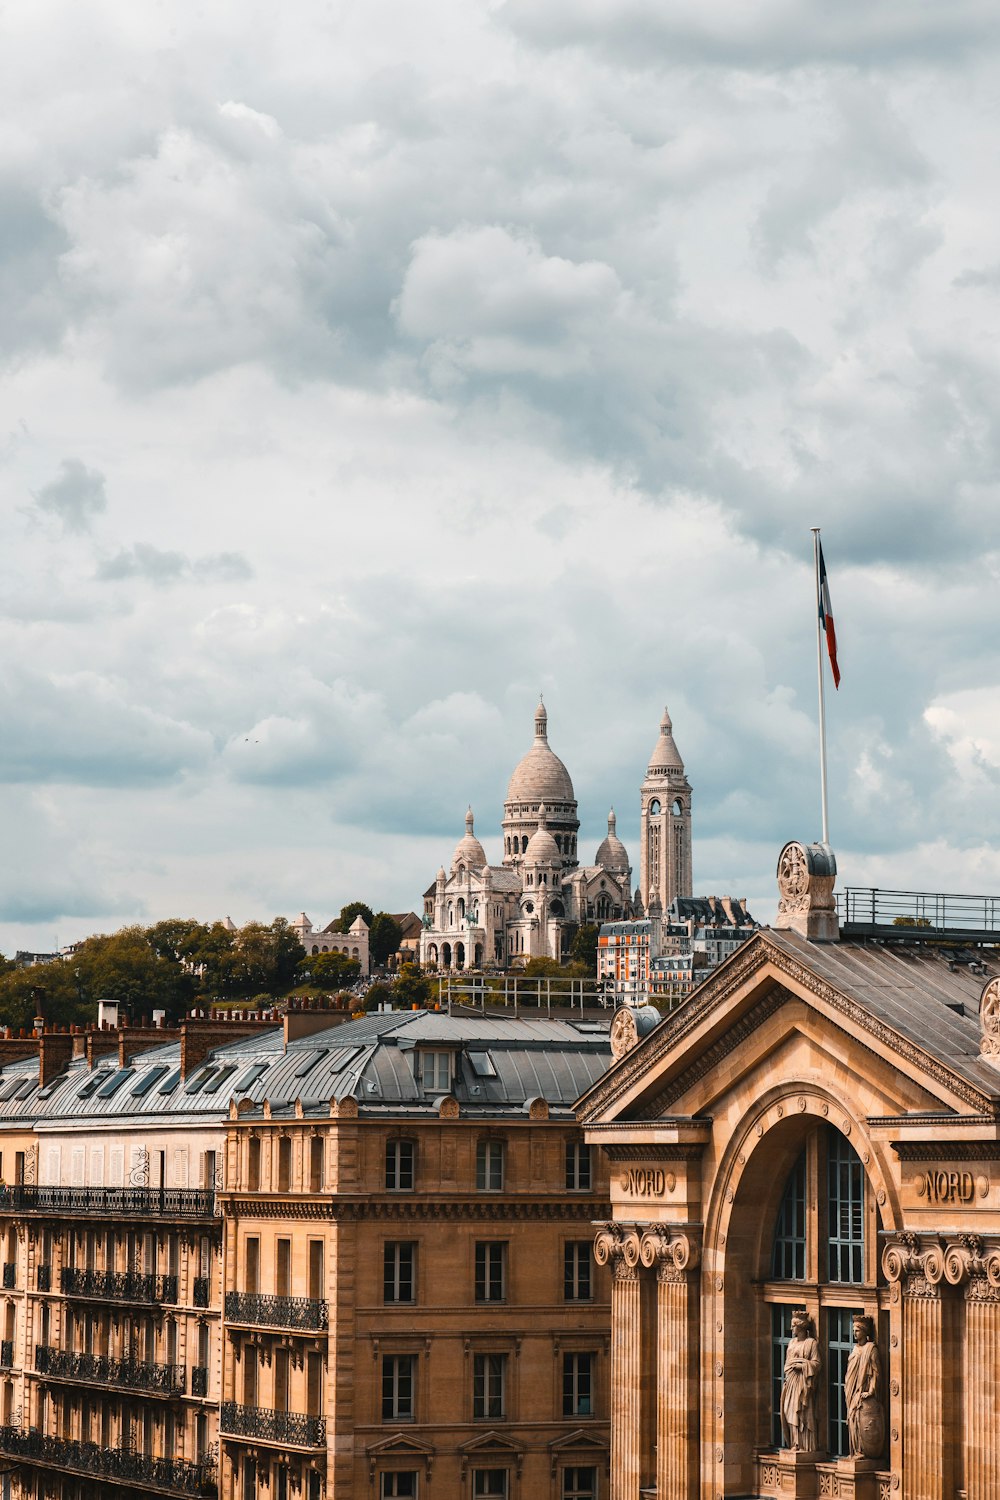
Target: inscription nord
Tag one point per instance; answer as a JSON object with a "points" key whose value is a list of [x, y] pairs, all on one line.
{"points": [[946, 1187], [645, 1182]]}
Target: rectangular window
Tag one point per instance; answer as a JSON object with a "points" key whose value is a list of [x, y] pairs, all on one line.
{"points": [[398, 1264], [283, 1269], [397, 1387], [489, 1484], [249, 1478], [489, 1166], [579, 1484], [402, 1485], [491, 1270], [788, 1257], [435, 1071], [578, 1166], [489, 1386], [846, 1182], [840, 1342], [576, 1270], [251, 1280], [578, 1381], [399, 1166]]}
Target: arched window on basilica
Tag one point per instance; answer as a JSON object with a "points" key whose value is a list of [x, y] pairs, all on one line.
{"points": [[823, 1260]]}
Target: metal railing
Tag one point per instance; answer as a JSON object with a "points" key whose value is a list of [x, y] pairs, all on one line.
{"points": [[122, 1202], [201, 1291], [199, 1380], [904, 914], [261, 1422], [178, 1476], [276, 1312], [517, 991], [117, 1286], [43, 1278], [131, 1374]]}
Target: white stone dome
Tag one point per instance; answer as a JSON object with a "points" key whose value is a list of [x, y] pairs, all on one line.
{"points": [[540, 776], [612, 854], [542, 848], [468, 851]]}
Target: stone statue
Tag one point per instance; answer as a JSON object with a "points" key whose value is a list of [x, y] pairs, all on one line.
{"points": [[863, 1394], [798, 1389]]}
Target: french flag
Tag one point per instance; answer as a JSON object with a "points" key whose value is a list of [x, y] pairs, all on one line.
{"points": [[826, 618]]}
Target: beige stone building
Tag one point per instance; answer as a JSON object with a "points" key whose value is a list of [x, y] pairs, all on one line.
{"points": [[816, 1131]]}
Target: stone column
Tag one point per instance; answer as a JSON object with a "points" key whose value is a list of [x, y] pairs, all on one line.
{"points": [[621, 1248], [675, 1256], [926, 1383], [970, 1265]]}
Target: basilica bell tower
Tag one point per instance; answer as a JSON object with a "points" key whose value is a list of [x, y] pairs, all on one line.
{"points": [[665, 857]]}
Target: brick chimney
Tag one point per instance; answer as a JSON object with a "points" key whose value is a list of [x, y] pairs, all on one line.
{"points": [[199, 1034], [55, 1048]]}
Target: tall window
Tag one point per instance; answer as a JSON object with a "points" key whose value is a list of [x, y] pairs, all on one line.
{"points": [[398, 1264], [397, 1387], [578, 1384], [489, 1386], [489, 1166], [399, 1164], [577, 1166], [489, 1484], [576, 1270], [579, 1484], [824, 1260], [491, 1270]]}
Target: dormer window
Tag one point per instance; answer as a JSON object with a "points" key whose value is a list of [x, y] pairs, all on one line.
{"points": [[435, 1072]]}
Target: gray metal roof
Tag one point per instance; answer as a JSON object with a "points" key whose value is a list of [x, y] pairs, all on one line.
{"points": [[372, 1059]]}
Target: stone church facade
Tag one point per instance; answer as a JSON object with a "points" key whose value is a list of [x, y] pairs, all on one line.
{"points": [[805, 1162], [478, 914]]}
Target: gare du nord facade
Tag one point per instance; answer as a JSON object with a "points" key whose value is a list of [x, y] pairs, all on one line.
{"points": [[815, 1132]]}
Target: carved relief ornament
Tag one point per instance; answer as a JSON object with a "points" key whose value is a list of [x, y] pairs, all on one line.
{"points": [[620, 1247], [921, 1263], [989, 1020], [673, 1253]]}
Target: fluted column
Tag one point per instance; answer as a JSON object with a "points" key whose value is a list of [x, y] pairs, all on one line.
{"points": [[621, 1248], [969, 1264], [927, 1429], [675, 1256]]}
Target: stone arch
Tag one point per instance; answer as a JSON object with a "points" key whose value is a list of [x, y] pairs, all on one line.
{"points": [[739, 1229]]}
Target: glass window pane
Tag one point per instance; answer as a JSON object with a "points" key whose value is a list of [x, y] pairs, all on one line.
{"points": [[788, 1256]]}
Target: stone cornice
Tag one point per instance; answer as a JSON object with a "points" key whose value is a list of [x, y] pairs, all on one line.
{"points": [[686, 1152], [397, 1210], [946, 1150], [756, 955]]}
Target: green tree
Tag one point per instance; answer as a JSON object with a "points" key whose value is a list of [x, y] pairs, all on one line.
{"points": [[385, 936], [332, 970], [410, 988], [583, 949], [350, 911], [543, 968], [376, 995], [52, 987], [123, 966]]}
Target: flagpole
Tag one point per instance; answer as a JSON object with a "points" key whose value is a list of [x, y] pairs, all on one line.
{"points": [[822, 698]]}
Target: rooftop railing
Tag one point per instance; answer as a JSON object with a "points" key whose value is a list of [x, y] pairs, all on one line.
{"points": [[909, 916]]}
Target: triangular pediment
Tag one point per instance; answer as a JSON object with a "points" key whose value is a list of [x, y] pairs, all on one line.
{"points": [[782, 1003], [400, 1445], [583, 1437], [495, 1441]]}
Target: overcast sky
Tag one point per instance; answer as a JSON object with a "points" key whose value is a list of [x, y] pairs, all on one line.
{"points": [[368, 368]]}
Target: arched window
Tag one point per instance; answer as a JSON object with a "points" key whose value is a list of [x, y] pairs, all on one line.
{"points": [[824, 1259]]}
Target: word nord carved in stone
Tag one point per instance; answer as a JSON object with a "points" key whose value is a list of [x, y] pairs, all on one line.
{"points": [[646, 1182], [946, 1187]]}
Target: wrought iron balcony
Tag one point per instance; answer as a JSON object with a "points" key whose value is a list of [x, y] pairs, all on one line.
{"points": [[175, 1476], [117, 1286], [101, 1369], [265, 1425], [199, 1380], [276, 1312], [200, 1294], [9, 1274], [43, 1278], [120, 1202], [6, 1353]]}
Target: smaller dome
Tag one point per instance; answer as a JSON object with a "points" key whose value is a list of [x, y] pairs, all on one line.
{"points": [[542, 848], [665, 756], [612, 854], [468, 851]]}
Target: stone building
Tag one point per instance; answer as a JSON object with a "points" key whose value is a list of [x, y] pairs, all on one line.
{"points": [[809, 1141], [303, 1261], [529, 905], [352, 944]]}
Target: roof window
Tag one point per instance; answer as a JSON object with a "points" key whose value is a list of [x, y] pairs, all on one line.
{"points": [[114, 1083], [145, 1083]]}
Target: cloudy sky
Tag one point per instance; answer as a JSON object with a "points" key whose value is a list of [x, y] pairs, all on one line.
{"points": [[369, 367]]}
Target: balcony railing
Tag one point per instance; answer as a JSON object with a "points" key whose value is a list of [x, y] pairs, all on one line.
{"points": [[121, 1202], [176, 1476], [101, 1369], [117, 1286], [200, 1293], [268, 1426], [6, 1353], [9, 1274], [199, 1380], [43, 1278], [275, 1312]]}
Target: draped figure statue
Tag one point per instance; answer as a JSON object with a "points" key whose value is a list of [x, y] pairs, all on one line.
{"points": [[863, 1394], [798, 1389]]}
